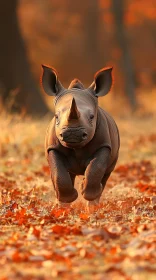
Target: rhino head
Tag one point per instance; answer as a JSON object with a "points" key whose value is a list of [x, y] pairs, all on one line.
{"points": [[76, 107]]}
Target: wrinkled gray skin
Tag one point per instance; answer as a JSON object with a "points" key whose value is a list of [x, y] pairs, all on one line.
{"points": [[82, 139]]}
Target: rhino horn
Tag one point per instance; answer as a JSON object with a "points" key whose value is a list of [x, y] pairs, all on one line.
{"points": [[73, 111]]}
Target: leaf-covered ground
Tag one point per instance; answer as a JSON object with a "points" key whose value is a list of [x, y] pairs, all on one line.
{"points": [[40, 241]]}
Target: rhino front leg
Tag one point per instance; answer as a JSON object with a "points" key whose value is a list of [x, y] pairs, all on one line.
{"points": [[61, 179], [95, 171]]}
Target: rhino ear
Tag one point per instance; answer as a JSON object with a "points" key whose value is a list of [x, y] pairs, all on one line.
{"points": [[102, 82], [50, 82]]}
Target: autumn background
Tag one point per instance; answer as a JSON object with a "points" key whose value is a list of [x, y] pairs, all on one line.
{"points": [[38, 240]]}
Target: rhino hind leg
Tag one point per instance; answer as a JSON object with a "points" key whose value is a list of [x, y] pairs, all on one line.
{"points": [[106, 176], [103, 183], [92, 205]]}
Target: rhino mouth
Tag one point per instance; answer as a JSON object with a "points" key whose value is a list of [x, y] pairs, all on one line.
{"points": [[73, 136], [70, 141]]}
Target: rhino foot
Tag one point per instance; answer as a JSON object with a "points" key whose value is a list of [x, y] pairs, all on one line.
{"points": [[91, 194], [67, 197]]}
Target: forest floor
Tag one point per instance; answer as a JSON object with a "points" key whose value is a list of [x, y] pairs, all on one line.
{"points": [[40, 241]]}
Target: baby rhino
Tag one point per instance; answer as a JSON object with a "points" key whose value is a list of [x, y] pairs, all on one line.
{"points": [[82, 139]]}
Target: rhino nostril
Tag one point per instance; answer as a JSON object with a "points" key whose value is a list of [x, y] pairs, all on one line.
{"points": [[84, 135]]}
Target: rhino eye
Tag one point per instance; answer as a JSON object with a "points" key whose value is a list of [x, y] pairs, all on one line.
{"points": [[91, 116], [57, 118]]}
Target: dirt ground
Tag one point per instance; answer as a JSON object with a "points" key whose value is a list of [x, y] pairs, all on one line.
{"points": [[40, 241]]}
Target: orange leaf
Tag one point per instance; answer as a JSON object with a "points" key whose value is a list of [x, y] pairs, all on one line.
{"points": [[58, 229], [83, 216]]}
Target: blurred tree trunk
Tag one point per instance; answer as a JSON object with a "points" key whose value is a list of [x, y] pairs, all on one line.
{"points": [[90, 17], [91, 29], [126, 61], [15, 74]]}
